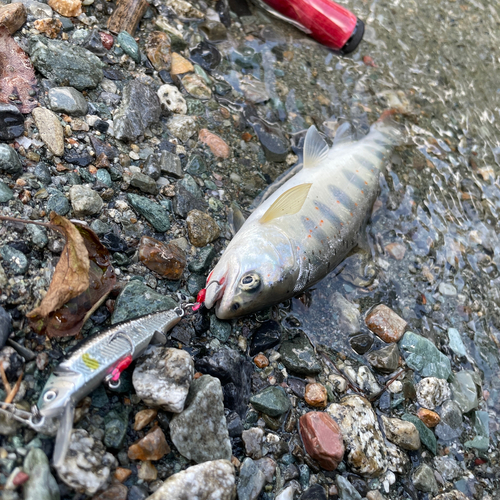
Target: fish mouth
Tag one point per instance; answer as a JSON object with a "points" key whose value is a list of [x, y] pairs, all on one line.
{"points": [[218, 283], [214, 292]]}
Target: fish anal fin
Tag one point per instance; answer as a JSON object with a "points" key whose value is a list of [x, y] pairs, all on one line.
{"points": [[289, 203], [315, 148]]}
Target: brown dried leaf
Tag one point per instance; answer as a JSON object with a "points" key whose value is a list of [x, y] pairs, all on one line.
{"points": [[71, 276], [17, 76]]}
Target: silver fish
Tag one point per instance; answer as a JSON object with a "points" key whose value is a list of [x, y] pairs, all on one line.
{"points": [[305, 228]]}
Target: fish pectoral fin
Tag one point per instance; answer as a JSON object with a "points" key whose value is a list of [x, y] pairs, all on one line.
{"points": [[315, 148], [235, 218], [289, 203]]}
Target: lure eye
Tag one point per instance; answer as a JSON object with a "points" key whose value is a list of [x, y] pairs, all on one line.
{"points": [[250, 282], [49, 396]]}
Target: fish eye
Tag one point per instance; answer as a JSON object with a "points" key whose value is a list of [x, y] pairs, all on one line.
{"points": [[49, 396], [250, 282], [235, 306]]}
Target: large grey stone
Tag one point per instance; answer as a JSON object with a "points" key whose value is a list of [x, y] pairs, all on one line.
{"points": [[67, 100]]}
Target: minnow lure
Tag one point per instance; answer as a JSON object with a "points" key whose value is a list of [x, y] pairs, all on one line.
{"points": [[101, 358], [305, 228]]}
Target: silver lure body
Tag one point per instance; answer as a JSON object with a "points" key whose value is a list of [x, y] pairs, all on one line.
{"points": [[268, 262]]}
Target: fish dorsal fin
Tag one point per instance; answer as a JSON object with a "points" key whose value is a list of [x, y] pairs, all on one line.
{"points": [[289, 203], [315, 148]]}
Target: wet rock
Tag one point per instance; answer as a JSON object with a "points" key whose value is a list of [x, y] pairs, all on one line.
{"points": [[58, 203], [171, 99], [87, 466], [234, 372], [170, 164], [14, 259], [251, 480], [42, 173], [5, 326], [202, 229], [11, 119], [456, 342], [153, 212], [367, 381], [432, 392], [346, 315], [67, 8], [450, 427], [114, 492], [9, 161], [158, 50], [137, 299], [423, 356], [316, 395], [428, 417], [13, 16], [41, 483], [346, 490], [426, 435], [162, 378], [206, 55], [180, 65], [182, 127], [298, 356], [195, 86], [129, 45], [67, 100], [385, 360], [93, 42], [401, 433], [51, 131], [364, 443], [84, 200], [254, 90], [220, 329], [214, 31], [216, 144], [261, 361], [140, 108], [38, 235], [385, 323], [448, 467], [153, 446], [272, 401], [64, 63], [361, 343], [203, 260], [143, 418], [480, 423], [253, 439], [424, 480], [464, 390], [6, 193], [273, 140], [188, 197], [207, 481], [322, 439], [200, 431], [168, 260], [265, 337]]}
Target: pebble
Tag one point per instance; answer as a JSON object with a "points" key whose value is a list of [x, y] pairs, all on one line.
{"points": [[41, 484], [5, 326], [12, 16], [64, 63], [464, 390], [207, 481], [162, 378], [114, 492], [424, 480], [49, 27], [67, 8], [429, 418], [451, 425], [423, 356], [11, 119], [143, 418], [214, 30], [84, 200], [140, 108], [206, 55], [448, 467], [346, 315], [202, 229], [427, 437], [9, 161], [6, 193], [129, 46], [432, 392], [402, 433], [87, 466], [115, 423], [364, 443], [322, 439], [122, 474], [385, 360], [168, 260], [153, 212], [195, 86], [200, 431], [180, 65], [217, 145], [67, 100], [147, 471], [251, 480], [316, 395], [456, 343], [346, 490], [447, 289], [261, 361], [158, 50], [171, 99], [58, 203], [267, 336], [286, 494], [298, 356], [272, 401], [253, 439], [385, 323], [14, 259], [144, 183], [153, 446], [361, 343], [50, 129], [182, 127], [170, 164], [396, 250]]}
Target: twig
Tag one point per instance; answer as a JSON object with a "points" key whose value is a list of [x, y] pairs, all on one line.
{"points": [[12, 394], [6, 384]]}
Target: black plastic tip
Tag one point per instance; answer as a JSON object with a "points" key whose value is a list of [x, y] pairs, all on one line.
{"points": [[356, 37]]}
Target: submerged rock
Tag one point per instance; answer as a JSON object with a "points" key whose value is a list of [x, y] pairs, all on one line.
{"points": [[385, 323], [432, 392], [298, 356], [401, 433], [168, 260], [272, 401]]}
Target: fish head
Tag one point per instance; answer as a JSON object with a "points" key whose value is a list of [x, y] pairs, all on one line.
{"points": [[57, 394], [250, 276]]}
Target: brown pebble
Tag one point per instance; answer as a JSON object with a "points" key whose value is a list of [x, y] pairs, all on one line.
{"points": [[152, 446], [42, 360], [216, 144], [322, 439], [50, 130], [102, 161], [144, 418], [147, 471], [163, 258], [158, 50], [13, 16], [197, 375], [385, 323], [316, 395], [107, 40], [127, 15], [246, 136], [202, 229], [180, 65], [369, 61], [261, 361], [50, 27], [116, 491], [67, 8], [122, 474], [396, 250], [429, 418]]}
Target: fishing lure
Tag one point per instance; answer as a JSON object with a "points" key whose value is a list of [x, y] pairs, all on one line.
{"points": [[101, 358]]}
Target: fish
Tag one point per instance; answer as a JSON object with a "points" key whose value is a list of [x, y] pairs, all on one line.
{"points": [[101, 358], [306, 228]]}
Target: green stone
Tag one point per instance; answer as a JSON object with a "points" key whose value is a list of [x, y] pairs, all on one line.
{"points": [[203, 260], [178, 44], [6, 193], [201, 72], [481, 426], [99, 397], [104, 177], [115, 174], [456, 343], [9, 161], [137, 299], [59, 204], [38, 235], [41, 484], [426, 435], [298, 356], [129, 46], [196, 165], [115, 428], [120, 259], [13, 258], [86, 176], [272, 401], [464, 390], [424, 357], [195, 107], [220, 329], [153, 212]]}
